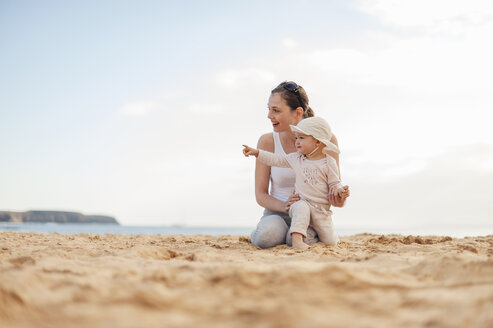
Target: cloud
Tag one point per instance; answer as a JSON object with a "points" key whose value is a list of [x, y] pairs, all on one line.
{"points": [[440, 15], [454, 187], [140, 108], [342, 62], [173, 94], [469, 157], [231, 78], [289, 43], [206, 109]]}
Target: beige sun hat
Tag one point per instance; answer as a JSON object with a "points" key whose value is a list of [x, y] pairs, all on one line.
{"points": [[318, 128]]}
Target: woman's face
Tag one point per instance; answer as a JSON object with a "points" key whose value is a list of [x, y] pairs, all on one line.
{"points": [[281, 115]]}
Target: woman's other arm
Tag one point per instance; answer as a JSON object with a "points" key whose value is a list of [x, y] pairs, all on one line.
{"points": [[334, 197], [335, 155], [262, 178]]}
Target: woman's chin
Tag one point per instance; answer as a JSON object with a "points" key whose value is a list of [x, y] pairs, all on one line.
{"points": [[276, 128]]}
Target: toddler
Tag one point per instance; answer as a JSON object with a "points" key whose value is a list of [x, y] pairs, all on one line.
{"points": [[316, 172]]}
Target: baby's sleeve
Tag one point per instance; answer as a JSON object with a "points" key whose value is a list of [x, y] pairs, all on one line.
{"points": [[333, 173], [272, 159], [337, 183]]}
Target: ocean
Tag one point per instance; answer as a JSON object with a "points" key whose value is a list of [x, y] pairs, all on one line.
{"points": [[457, 231]]}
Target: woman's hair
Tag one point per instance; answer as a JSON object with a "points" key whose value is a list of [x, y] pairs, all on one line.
{"points": [[293, 98]]}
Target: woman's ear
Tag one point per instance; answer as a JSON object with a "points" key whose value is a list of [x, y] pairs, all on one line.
{"points": [[299, 112]]}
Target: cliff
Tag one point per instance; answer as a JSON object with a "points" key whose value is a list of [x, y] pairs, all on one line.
{"points": [[54, 216]]}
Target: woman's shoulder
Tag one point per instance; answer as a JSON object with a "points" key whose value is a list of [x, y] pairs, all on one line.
{"points": [[266, 142]]}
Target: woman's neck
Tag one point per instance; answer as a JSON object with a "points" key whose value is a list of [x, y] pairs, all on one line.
{"points": [[288, 135], [288, 141]]}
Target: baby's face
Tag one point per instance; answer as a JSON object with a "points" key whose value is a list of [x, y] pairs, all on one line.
{"points": [[305, 144]]}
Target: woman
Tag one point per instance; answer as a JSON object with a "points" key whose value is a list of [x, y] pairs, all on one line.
{"points": [[288, 105]]}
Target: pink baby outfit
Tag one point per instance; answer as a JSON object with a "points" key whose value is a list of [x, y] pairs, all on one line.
{"points": [[313, 179]]}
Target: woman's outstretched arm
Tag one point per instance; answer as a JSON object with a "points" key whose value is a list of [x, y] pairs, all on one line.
{"points": [[262, 178]]}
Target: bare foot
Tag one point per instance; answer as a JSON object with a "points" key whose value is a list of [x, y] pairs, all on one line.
{"points": [[301, 245], [297, 240]]}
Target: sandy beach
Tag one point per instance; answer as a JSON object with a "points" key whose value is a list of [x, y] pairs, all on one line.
{"points": [[83, 280]]}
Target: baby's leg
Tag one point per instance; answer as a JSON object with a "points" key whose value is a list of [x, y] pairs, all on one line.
{"points": [[324, 227], [300, 219]]}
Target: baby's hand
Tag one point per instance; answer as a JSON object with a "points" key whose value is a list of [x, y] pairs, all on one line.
{"points": [[336, 198], [343, 192], [247, 151]]}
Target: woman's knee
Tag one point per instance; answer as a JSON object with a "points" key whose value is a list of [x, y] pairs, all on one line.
{"points": [[270, 232]]}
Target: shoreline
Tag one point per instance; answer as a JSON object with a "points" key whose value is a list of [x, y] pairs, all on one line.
{"points": [[455, 231], [368, 280]]}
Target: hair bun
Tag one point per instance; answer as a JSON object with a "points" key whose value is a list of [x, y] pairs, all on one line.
{"points": [[309, 112]]}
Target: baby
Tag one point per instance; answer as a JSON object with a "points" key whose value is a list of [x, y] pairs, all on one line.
{"points": [[316, 172]]}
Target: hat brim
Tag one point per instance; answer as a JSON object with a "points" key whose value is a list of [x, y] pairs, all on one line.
{"points": [[294, 128], [329, 145]]}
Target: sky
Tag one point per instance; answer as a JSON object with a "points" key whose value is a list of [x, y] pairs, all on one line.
{"points": [[138, 109]]}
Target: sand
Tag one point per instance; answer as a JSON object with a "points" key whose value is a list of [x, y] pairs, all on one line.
{"points": [[83, 280]]}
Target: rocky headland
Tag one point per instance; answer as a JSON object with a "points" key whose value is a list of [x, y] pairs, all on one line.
{"points": [[54, 216]]}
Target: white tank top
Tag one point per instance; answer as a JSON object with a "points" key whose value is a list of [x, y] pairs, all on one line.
{"points": [[281, 179]]}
